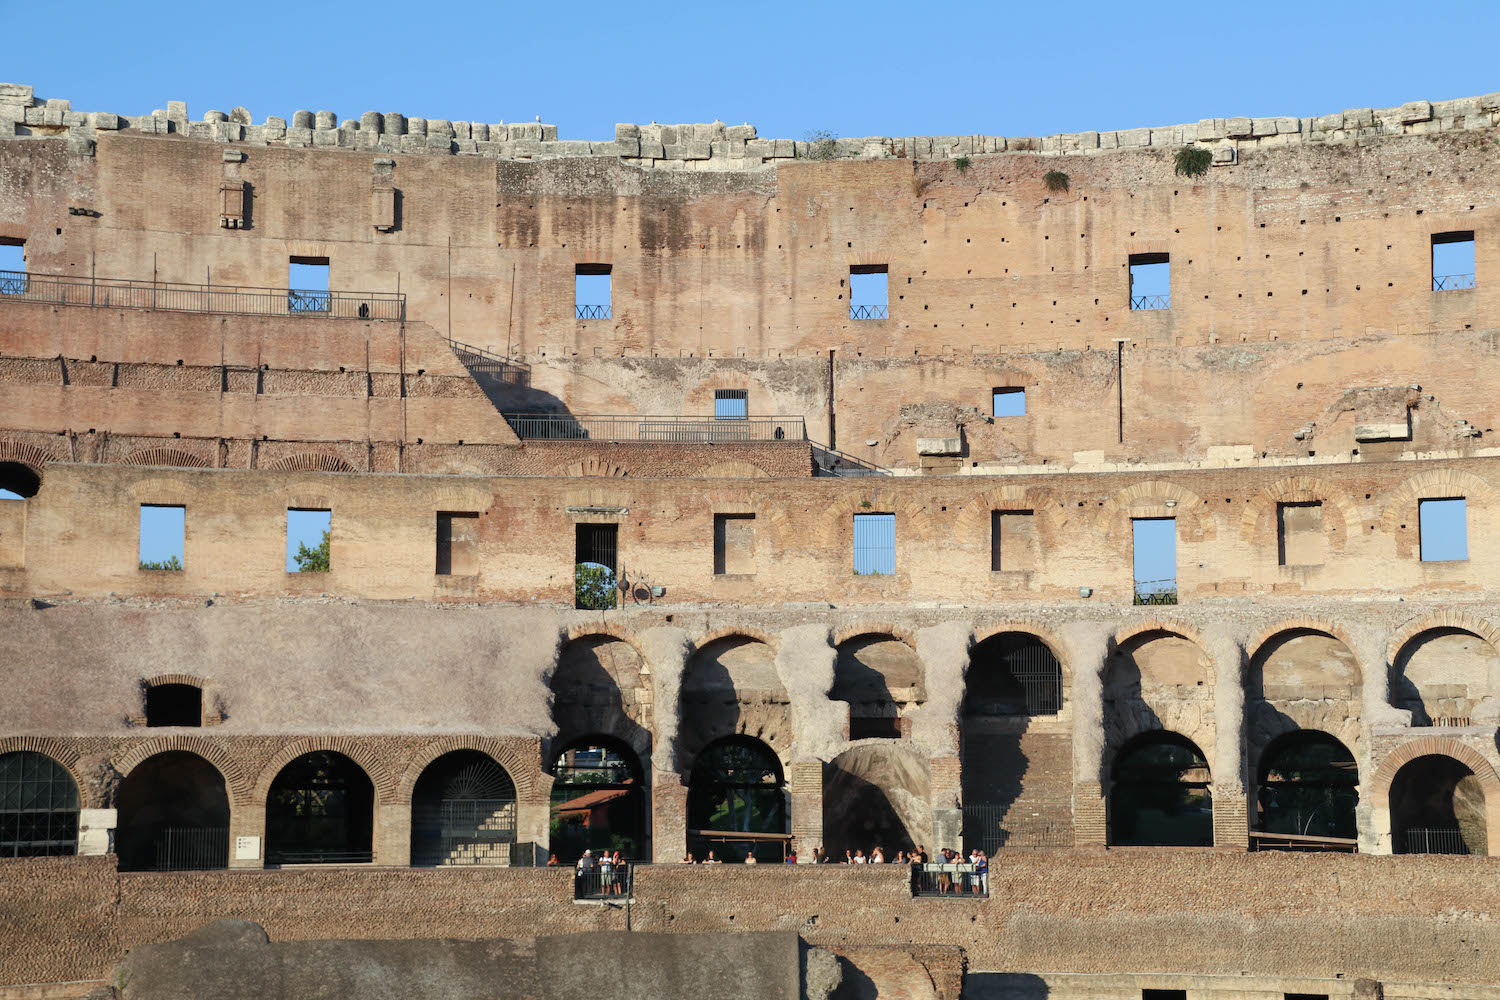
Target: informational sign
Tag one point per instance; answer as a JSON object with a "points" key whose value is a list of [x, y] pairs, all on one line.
{"points": [[247, 848]]}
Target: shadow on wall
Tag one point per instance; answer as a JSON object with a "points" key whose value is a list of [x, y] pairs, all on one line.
{"points": [[1005, 986], [874, 796]]}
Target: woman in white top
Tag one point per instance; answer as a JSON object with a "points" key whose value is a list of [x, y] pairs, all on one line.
{"points": [[877, 857]]}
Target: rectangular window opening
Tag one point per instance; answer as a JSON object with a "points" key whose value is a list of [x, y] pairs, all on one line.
{"points": [[591, 291], [1453, 261], [734, 544], [1305, 996], [874, 544], [12, 266], [1163, 994], [595, 565], [1012, 540], [869, 291], [731, 404], [1150, 281], [307, 285], [1300, 540], [457, 543], [871, 728], [309, 540], [1008, 401], [163, 537], [1443, 525], [1154, 550]]}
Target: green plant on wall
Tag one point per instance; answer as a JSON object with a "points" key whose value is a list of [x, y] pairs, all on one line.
{"points": [[1193, 161], [171, 564], [822, 144], [962, 164], [1056, 180]]}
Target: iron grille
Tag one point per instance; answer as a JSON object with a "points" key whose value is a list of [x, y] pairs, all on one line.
{"points": [[119, 293], [1433, 840], [1151, 592], [183, 848], [664, 429], [1150, 302], [38, 807], [959, 881], [874, 544], [992, 826], [467, 832], [868, 312], [1451, 282], [483, 362], [594, 883], [591, 312], [320, 857]]}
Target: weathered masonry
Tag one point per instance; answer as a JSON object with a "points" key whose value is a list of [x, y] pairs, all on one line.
{"points": [[389, 506]]}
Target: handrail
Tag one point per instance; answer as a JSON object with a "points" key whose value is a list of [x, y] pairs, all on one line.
{"points": [[482, 361], [657, 428], [1138, 302], [173, 296], [1451, 282], [869, 312]]}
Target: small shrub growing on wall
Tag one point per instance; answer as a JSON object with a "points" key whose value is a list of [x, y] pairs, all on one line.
{"points": [[1056, 180], [962, 164], [822, 144], [1193, 161]]}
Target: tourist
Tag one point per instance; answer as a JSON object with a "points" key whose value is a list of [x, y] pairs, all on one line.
{"points": [[982, 868], [552, 861], [711, 860], [791, 857], [848, 856], [606, 874], [688, 859], [622, 872], [877, 856], [750, 858], [859, 858], [901, 857], [919, 856]]}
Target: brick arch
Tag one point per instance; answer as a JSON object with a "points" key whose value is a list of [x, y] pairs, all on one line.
{"points": [[1402, 502], [1117, 510], [462, 498], [1305, 623], [33, 456], [1385, 774], [60, 752], [193, 679], [1039, 632], [378, 773], [974, 520], [713, 635], [310, 461], [898, 632], [1174, 626], [784, 754], [532, 785], [1253, 766], [166, 456], [1472, 624], [739, 469], [606, 630], [235, 781], [1301, 489], [592, 466], [913, 522]]}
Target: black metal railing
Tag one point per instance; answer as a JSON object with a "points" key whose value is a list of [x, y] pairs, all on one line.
{"points": [[483, 362], [183, 849], [1433, 840], [993, 827], [319, 857], [1451, 282], [832, 462], [596, 883], [169, 296], [679, 430], [591, 312], [1156, 592], [960, 881], [465, 832], [1150, 302], [869, 312]]}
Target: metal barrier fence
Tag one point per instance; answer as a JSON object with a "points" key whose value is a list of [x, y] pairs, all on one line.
{"points": [[1433, 840], [1451, 282], [993, 828], [1156, 592], [591, 312], [169, 296], [1262, 841], [1150, 302], [680, 430], [481, 361], [869, 312], [319, 857], [595, 883], [465, 832], [181, 849], [956, 880]]}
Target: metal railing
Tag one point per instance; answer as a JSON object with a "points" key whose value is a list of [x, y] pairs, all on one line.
{"points": [[320, 857], [184, 849], [591, 312], [993, 827], [1150, 302], [1153, 592], [1263, 841], [481, 361], [959, 881], [171, 296], [465, 832], [595, 883], [832, 462], [1451, 282], [679, 430], [869, 312], [1432, 840]]}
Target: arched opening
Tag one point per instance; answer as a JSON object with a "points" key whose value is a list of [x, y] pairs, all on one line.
{"points": [[1012, 678], [38, 807], [1442, 676], [880, 678], [875, 796], [463, 812], [737, 802], [174, 705], [1160, 794], [1437, 807], [730, 686], [1308, 787], [18, 481], [598, 800], [174, 815], [601, 686], [321, 810]]}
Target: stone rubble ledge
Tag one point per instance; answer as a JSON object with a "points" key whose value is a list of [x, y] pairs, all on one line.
{"points": [[715, 145]]}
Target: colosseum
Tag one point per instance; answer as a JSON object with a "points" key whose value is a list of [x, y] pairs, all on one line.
{"points": [[394, 509]]}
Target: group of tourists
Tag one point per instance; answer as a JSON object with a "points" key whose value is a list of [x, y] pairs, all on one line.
{"points": [[612, 870], [973, 877]]}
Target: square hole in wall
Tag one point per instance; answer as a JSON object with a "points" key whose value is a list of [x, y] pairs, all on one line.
{"points": [[309, 540], [1150, 281], [1008, 401], [1300, 539], [1444, 529], [593, 292], [1013, 541], [457, 543], [163, 537], [734, 544]]}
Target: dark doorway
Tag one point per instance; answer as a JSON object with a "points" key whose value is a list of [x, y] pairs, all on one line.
{"points": [[598, 800], [737, 801], [320, 811], [1308, 787], [18, 481], [1012, 674], [174, 814], [174, 705], [1160, 794], [38, 807], [463, 812], [1437, 807]]}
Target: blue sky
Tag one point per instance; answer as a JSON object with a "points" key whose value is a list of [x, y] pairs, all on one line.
{"points": [[869, 68]]}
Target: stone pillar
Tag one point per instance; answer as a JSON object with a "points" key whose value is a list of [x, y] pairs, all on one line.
{"points": [[666, 651], [805, 788], [668, 818], [247, 835], [1087, 646], [1231, 808], [533, 832], [96, 831], [947, 816], [392, 840]]}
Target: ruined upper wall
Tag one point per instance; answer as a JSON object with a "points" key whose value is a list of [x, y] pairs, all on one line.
{"points": [[715, 145]]}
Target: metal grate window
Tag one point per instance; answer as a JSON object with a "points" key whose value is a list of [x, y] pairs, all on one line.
{"points": [[38, 807], [874, 544], [596, 565], [731, 404]]}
